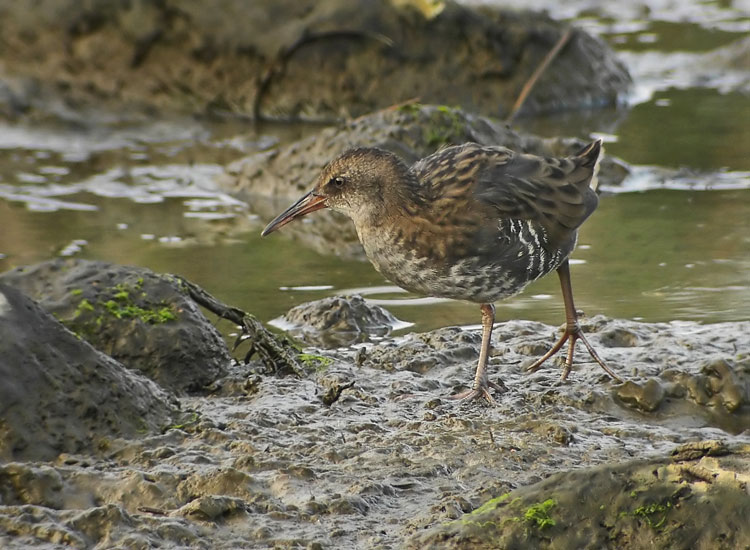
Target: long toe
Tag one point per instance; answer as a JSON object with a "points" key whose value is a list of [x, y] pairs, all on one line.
{"points": [[474, 393], [552, 351], [572, 336], [481, 392], [595, 356]]}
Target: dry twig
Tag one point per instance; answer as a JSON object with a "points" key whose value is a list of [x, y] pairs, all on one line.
{"points": [[526, 90]]}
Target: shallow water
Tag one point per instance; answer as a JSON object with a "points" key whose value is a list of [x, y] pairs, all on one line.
{"points": [[658, 249]]}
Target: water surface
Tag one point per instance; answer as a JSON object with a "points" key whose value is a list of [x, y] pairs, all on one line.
{"points": [[661, 248]]}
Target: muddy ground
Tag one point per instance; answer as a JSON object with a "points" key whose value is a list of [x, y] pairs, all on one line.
{"points": [[364, 448]]}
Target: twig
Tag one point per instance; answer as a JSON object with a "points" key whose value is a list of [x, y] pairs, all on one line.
{"points": [[274, 354], [526, 90], [151, 510]]}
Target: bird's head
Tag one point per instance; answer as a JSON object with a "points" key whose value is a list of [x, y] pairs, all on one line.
{"points": [[357, 183]]}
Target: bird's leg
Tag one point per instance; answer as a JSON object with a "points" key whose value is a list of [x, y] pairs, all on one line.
{"points": [[572, 332], [481, 385]]}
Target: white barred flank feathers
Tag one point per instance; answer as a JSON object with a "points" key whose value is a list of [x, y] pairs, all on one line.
{"points": [[595, 176]]}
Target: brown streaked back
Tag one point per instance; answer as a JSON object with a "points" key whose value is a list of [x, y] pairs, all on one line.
{"points": [[555, 193]]}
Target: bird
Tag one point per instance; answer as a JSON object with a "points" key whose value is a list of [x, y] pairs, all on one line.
{"points": [[469, 222]]}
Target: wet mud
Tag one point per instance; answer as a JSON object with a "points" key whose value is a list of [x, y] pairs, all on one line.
{"points": [[366, 449]]}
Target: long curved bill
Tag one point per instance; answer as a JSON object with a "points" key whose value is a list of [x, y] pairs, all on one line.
{"points": [[308, 203]]}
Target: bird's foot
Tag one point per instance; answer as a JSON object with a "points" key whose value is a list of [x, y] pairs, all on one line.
{"points": [[480, 391], [572, 334]]}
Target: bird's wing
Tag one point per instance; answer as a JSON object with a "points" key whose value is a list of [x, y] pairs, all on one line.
{"points": [[499, 184], [452, 172], [556, 193]]}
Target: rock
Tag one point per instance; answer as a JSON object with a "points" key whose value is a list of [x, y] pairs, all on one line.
{"points": [[213, 508], [138, 317], [59, 394], [411, 131], [647, 396], [293, 58], [694, 503], [697, 449], [332, 387], [338, 321], [22, 484]]}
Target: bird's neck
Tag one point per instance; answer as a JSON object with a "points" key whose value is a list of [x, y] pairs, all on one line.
{"points": [[400, 196], [407, 198]]}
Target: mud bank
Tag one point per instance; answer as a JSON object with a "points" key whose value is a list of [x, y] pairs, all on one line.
{"points": [[365, 449]]}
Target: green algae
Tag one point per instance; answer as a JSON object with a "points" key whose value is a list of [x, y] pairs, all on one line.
{"points": [[538, 514], [654, 514], [316, 362]]}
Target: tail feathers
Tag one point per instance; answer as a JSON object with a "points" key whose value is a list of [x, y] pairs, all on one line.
{"points": [[592, 155]]}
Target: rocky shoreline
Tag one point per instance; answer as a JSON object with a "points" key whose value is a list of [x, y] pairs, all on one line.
{"points": [[289, 59]]}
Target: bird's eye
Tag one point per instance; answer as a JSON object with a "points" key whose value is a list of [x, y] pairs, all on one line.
{"points": [[337, 181]]}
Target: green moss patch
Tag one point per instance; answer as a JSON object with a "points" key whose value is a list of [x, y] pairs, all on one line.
{"points": [[538, 514], [121, 302]]}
